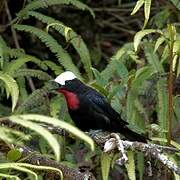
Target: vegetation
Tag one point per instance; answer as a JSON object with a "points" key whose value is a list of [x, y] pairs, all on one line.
{"points": [[129, 54]]}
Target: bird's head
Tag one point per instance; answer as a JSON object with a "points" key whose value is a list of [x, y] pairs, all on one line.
{"points": [[65, 81], [67, 84]]}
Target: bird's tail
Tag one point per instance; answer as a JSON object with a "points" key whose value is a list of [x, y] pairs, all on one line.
{"points": [[133, 136]]}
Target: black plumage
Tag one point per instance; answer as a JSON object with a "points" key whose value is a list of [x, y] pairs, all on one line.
{"points": [[94, 111]]}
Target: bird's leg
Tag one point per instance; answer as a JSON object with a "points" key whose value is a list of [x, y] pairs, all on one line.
{"points": [[122, 160]]}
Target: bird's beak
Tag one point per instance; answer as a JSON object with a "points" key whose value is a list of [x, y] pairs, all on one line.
{"points": [[52, 85]]}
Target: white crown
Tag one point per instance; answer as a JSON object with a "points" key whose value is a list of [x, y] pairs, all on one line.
{"points": [[65, 76]]}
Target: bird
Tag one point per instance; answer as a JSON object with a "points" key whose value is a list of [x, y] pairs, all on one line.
{"points": [[90, 110]]}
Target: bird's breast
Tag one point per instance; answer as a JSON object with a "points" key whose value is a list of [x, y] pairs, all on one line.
{"points": [[71, 99]]}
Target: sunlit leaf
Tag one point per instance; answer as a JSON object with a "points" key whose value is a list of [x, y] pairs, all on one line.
{"points": [[138, 5], [40, 130], [106, 159], [130, 166], [56, 122], [139, 35], [12, 87]]}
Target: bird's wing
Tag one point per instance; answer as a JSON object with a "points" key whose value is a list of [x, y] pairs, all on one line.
{"points": [[102, 106]]}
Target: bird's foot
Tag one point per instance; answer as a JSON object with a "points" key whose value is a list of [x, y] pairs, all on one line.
{"points": [[112, 143]]}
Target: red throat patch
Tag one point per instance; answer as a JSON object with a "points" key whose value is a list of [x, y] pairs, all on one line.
{"points": [[71, 99]]}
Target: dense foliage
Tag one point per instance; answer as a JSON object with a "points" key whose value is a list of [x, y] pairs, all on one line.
{"points": [[129, 54]]}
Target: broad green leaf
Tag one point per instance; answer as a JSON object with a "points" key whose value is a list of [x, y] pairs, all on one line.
{"points": [[101, 89], [106, 159], [56, 122], [162, 106], [122, 71], [130, 166], [98, 76], [139, 35], [13, 154], [15, 166], [12, 88], [141, 75], [40, 130], [176, 3], [140, 165], [138, 5]]}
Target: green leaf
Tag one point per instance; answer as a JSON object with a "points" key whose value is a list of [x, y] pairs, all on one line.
{"points": [[147, 9], [99, 78], [138, 5], [106, 159], [54, 67], [9, 176], [36, 4], [140, 165], [56, 122], [33, 73], [141, 75], [16, 64], [12, 88], [13, 154], [76, 41], [139, 35], [159, 41], [173, 143], [49, 168], [15, 166], [40, 130], [176, 3], [178, 68], [10, 135], [162, 106], [63, 57], [130, 166], [153, 58]]}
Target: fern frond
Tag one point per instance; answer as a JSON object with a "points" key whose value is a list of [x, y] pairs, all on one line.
{"points": [[22, 88], [16, 64], [112, 66], [14, 53], [162, 106], [33, 5], [76, 41], [62, 56], [33, 73], [2, 47], [153, 58], [11, 87], [10, 135], [54, 67], [36, 99]]}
